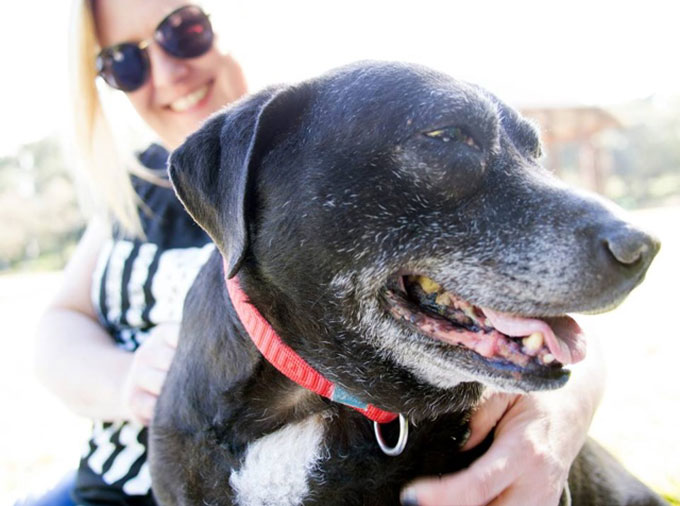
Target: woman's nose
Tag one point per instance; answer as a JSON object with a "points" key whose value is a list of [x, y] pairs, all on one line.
{"points": [[166, 70]]}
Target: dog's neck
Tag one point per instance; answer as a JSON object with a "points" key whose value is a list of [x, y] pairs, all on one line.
{"points": [[289, 363]]}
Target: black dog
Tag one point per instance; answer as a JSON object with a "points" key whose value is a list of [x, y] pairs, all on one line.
{"points": [[391, 224]]}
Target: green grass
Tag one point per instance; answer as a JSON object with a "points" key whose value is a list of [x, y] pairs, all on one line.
{"points": [[674, 500], [52, 261], [672, 496]]}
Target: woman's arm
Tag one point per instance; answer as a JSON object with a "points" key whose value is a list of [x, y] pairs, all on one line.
{"points": [[78, 361], [536, 439]]}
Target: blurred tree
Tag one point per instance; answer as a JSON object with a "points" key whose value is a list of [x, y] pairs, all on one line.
{"points": [[39, 213], [629, 153], [647, 155]]}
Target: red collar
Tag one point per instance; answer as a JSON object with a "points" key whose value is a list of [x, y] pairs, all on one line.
{"points": [[289, 363]]}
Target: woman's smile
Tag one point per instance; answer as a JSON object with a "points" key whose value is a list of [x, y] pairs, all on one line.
{"points": [[193, 100]]}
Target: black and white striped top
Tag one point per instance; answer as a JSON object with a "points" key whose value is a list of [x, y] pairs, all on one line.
{"points": [[138, 284]]}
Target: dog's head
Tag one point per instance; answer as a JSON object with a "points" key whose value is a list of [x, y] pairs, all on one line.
{"points": [[396, 228]]}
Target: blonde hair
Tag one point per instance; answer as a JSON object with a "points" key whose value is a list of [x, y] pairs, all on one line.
{"points": [[107, 173]]}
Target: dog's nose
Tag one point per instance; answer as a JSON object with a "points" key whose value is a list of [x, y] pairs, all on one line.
{"points": [[631, 247]]}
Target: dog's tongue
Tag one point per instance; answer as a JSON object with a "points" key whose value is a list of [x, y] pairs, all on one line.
{"points": [[561, 334]]}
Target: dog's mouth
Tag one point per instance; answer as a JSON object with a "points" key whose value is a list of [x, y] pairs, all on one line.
{"points": [[500, 339]]}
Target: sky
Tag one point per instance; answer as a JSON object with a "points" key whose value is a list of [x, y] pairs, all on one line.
{"points": [[527, 52]]}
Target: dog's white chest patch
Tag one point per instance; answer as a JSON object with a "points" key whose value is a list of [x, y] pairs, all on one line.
{"points": [[277, 467]]}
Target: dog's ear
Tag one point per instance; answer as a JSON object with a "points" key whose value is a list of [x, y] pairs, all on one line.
{"points": [[213, 170]]}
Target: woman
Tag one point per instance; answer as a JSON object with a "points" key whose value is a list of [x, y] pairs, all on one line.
{"points": [[128, 284], [107, 339]]}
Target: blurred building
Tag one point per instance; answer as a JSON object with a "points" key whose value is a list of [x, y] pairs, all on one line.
{"points": [[574, 142]]}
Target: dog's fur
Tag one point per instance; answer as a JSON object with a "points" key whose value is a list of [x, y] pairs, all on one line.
{"points": [[316, 195]]}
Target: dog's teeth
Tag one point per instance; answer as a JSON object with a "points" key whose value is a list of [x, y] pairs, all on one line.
{"points": [[428, 285], [468, 309], [470, 312], [444, 299], [533, 342], [548, 358]]}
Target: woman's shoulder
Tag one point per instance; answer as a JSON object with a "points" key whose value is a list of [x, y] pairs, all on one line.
{"points": [[163, 217], [154, 157]]}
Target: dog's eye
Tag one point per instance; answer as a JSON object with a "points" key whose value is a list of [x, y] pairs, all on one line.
{"points": [[453, 134]]}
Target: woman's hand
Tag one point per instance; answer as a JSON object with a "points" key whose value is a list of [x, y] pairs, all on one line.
{"points": [[536, 438], [78, 360], [147, 372], [527, 464]]}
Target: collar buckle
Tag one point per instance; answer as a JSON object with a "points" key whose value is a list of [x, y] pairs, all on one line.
{"points": [[395, 450]]}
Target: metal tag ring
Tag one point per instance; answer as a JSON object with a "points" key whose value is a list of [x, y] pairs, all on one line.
{"points": [[401, 442]]}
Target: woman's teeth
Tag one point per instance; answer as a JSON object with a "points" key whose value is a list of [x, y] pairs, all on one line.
{"points": [[188, 101]]}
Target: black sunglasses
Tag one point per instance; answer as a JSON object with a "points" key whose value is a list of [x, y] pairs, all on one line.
{"points": [[184, 33]]}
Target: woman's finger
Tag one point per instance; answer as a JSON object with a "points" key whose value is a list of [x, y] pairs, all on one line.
{"points": [[169, 332], [486, 416], [159, 357], [150, 380], [142, 405]]}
